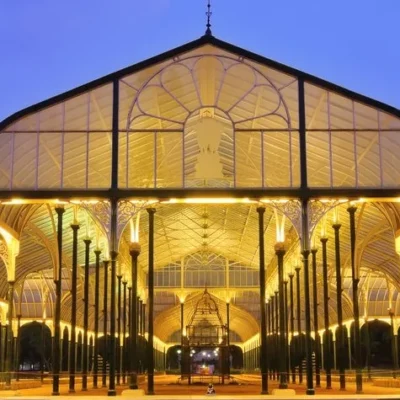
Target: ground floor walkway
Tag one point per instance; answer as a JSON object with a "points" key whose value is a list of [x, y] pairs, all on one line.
{"points": [[246, 386]]}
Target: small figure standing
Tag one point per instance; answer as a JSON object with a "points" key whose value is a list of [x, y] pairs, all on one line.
{"points": [[210, 389]]}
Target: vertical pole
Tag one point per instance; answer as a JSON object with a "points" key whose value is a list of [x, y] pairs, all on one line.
{"points": [[182, 341], [368, 348], [315, 309], [263, 360], [105, 318], [18, 346], [97, 252], [150, 356], [72, 347], [129, 339], [276, 344], [144, 317], [395, 354], [134, 251], [300, 341], [87, 242], [280, 252], [10, 341], [357, 343], [273, 350], [292, 347], [111, 383], [287, 369], [327, 341], [307, 310], [124, 326], [228, 366], [119, 370], [57, 314], [339, 343]]}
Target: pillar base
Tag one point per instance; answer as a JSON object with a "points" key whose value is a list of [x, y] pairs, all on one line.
{"points": [[264, 392], [133, 393], [71, 391], [55, 393], [112, 392], [284, 392], [310, 392]]}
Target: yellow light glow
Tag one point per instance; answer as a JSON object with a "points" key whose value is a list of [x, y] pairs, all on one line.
{"points": [[335, 218], [209, 200], [134, 225], [283, 200]]}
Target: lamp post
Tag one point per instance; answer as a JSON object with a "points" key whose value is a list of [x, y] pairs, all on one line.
{"points": [[327, 362], [356, 279], [123, 356], [280, 252], [292, 347], [300, 341], [341, 349], [315, 309], [134, 251]]}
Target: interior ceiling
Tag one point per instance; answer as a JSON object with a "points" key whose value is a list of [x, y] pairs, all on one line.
{"points": [[230, 231], [167, 96]]}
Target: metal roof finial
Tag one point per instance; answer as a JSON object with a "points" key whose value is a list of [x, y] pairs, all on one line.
{"points": [[208, 14]]}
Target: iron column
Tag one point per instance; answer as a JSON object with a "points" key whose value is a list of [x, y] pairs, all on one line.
{"points": [[97, 252], [354, 272], [292, 347], [87, 242], [57, 312], [315, 309], [105, 317], [150, 356], [263, 360], [300, 341]]}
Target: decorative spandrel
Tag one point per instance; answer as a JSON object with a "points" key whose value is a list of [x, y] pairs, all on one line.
{"points": [[206, 327]]}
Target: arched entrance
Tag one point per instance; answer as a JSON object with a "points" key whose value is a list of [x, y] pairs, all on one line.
{"points": [[35, 347]]}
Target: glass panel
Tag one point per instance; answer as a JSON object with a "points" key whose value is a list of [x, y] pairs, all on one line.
{"points": [[278, 159], [248, 159], [122, 160], [343, 159], [49, 160], [169, 160], [76, 113], [340, 112], [318, 159], [365, 117], [390, 153], [99, 160], [5, 159], [316, 104], [51, 118], [368, 160], [140, 148], [74, 165], [25, 156], [100, 111]]}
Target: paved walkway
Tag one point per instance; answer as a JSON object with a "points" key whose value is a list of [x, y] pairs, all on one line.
{"points": [[246, 387]]}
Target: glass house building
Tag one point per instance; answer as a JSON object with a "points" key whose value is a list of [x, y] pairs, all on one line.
{"points": [[205, 200]]}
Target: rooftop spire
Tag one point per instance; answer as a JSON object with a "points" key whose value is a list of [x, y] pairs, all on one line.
{"points": [[208, 14]]}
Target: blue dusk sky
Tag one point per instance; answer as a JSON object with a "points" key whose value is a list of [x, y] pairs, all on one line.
{"points": [[51, 46]]}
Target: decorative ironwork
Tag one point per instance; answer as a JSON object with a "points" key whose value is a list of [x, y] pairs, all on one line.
{"points": [[316, 210], [101, 211], [292, 210], [127, 210], [208, 14], [4, 252], [206, 327]]}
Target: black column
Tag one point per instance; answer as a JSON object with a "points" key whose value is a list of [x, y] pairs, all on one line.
{"points": [[341, 350], [285, 286], [10, 336], [86, 316], [124, 326], [315, 309], [119, 369], [300, 341], [276, 342], [280, 252], [144, 318], [228, 366], [150, 355], [183, 366], [395, 353], [263, 354], [111, 384], [105, 318], [18, 346], [97, 252], [72, 346], [327, 341], [272, 338], [57, 312], [357, 342], [307, 317], [292, 346], [134, 251]]}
